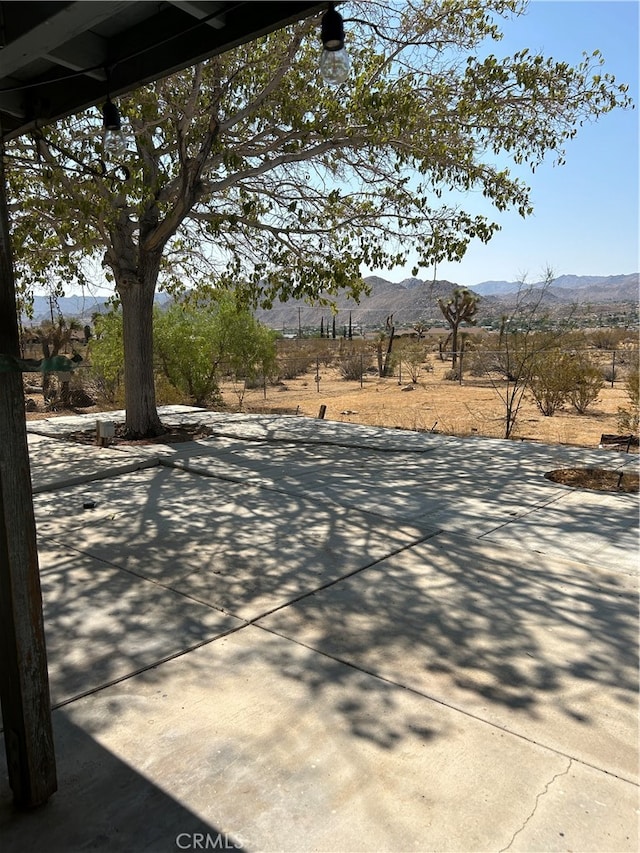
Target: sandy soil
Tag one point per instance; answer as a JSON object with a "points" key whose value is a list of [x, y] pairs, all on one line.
{"points": [[433, 403], [473, 407]]}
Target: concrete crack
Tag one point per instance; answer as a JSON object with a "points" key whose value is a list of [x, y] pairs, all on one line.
{"points": [[535, 805]]}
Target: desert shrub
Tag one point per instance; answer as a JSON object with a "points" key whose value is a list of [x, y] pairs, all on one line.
{"points": [[629, 418], [186, 349], [354, 364], [551, 379], [482, 361], [451, 375], [586, 383], [198, 340], [609, 373], [167, 394], [319, 350], [257, 381], [291, 367], [476, 362], [106, 359], [79, 395], [608, 338], [412, 358]]}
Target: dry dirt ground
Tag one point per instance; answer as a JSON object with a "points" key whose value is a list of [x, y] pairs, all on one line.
{"points": [[432, 404], [473, 407]]}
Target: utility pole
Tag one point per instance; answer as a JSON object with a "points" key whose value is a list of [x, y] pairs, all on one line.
{"points": [[24, 680]]}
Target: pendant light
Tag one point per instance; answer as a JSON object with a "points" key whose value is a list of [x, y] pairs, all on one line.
{"points": [[334, 62]]}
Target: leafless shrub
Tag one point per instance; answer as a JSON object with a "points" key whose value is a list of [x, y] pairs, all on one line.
{"points": [[295, 366]]}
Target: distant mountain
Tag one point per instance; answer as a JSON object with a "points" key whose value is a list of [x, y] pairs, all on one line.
{"points": [[492, 288], [409, 300], [613, 287], [413, 299], [76, 307]]}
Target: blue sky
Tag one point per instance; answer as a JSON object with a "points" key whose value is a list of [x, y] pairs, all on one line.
{"points": [[585, 219]]}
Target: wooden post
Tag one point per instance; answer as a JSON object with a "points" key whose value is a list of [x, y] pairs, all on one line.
{"points": [[24, 681], [613, 368], [387, 358]]}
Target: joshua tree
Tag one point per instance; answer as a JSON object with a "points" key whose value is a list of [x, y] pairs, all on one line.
{"points": [[460, 307]]}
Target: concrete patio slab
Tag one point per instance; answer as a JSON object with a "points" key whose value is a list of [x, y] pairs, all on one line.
{"points": [[244, 553], [407, 684], [102, 804], [474, 493], [538, 646], [277, 748], [59, 427], [104, 624], [581, 797], [292, 429], [565, 528], [55, 464], [147, 495]]}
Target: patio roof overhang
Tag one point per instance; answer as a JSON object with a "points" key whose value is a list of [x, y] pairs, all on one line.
{"points": [[58, 58]]}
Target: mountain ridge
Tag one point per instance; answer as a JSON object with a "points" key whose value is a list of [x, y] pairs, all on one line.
{"points": [[409, 300], [563, 282]]}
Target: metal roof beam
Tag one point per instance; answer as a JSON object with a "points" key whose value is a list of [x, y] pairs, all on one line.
{"points": [[84, 52], [12, 103], [201, 10], [56, 31]]}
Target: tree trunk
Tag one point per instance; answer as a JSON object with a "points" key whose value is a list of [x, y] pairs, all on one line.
{"points": [[454, 345], [142, 420]]}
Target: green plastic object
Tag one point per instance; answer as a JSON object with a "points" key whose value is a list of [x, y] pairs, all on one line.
{"points": [[55, 364]]}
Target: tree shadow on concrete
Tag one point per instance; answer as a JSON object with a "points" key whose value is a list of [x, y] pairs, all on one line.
{"points": [[170, 560], [543, 647]]}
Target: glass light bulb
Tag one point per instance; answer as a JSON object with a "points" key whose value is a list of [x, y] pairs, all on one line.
{"points": [[335, 66], [114, 144]]}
